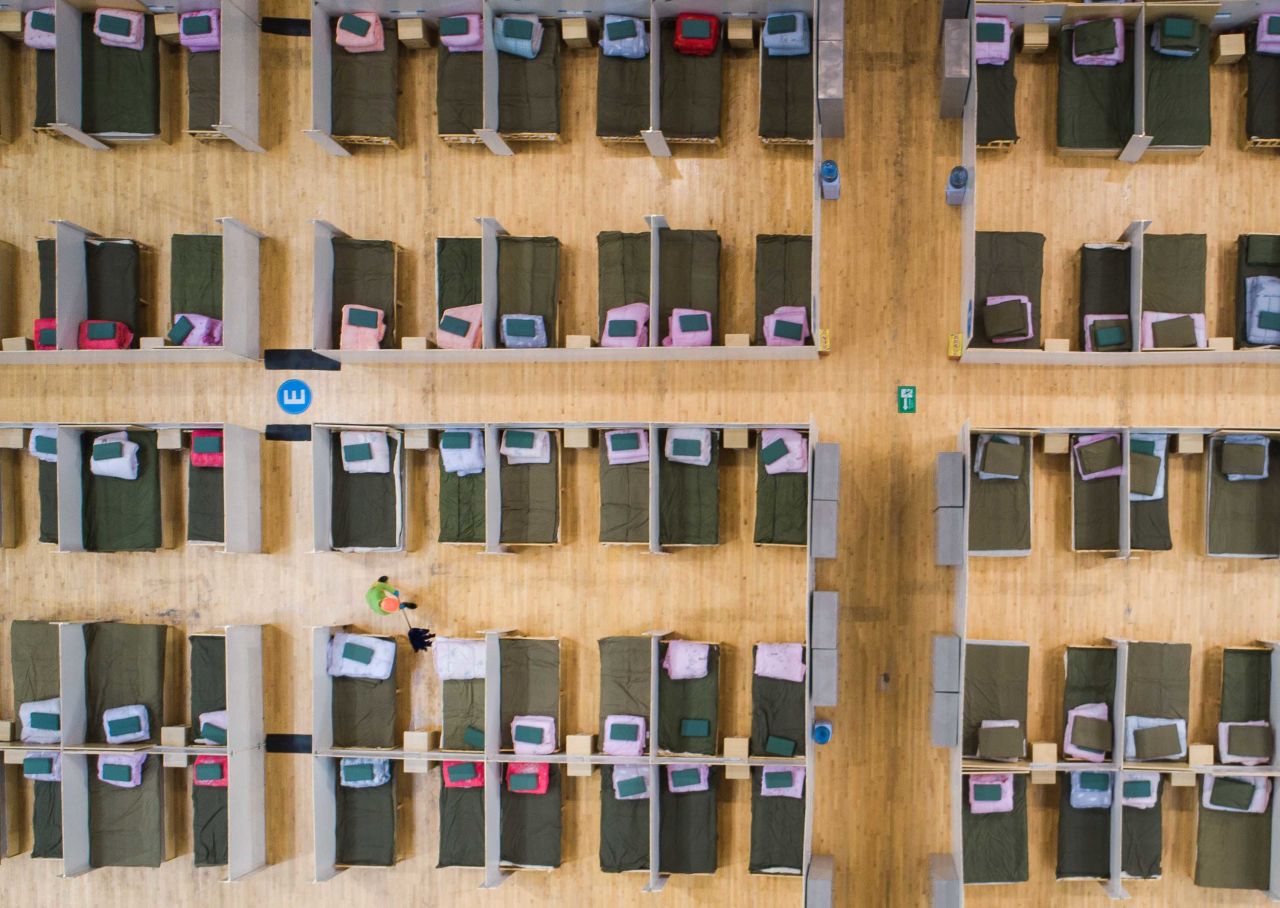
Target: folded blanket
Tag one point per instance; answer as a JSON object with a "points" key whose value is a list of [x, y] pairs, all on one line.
{"points": [[518, 35], [991, 793], [1262, 308], [200, 30], [462, 451], [624, 736], [460, 774], [114, 455], [1152, 337], [360, 656], [121, 770], [533, 735], [41, 721], [1098, 456], [206, 448], [1098, 42], [993, 40], [458, 660], [689, 445], [1135, 725], [1236, 794], [126, 724], [1268, 34], [43, 444], [783, 661], [97, 334], [45, 334], [526, 446], [462, 34], [363, 328], [523, 332], [688, 328], [1263, 738], [1148, 456], [365, 452], [210, 772], [1007, 319], [784, 451], [42, 766], [459, 328], [788, 326], [786, 34], [120, 28], [360, 33], [686, 777], [782, 782], [626, 326], [631, 783], [1185, 44], [696, 34], [994, 744], [686, 660], [992, 461], [364, 772], [1245, 457], [624, 36], [192, 330], [1107, 333], [37, 29], [528, 778], [211, 728], [1090, 790], [1140, 790], [1097, 711], [624, 446]]}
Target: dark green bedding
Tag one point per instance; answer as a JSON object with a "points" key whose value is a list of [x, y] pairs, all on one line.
{"points": [[46, 820], [689, 505], [531, 823], [531, 501], [624, 500], [124, 665], [784, 273], [624, 828], [1262, 100], [1159, 680], [622, 97], [461, 825], [777, 710], [366, 823], [1084, 836], [208, 675], [121, 86], [1178, 95], [689, 275], [624, 678], [461, 507], [459, 93], [366, 87], [365, 505], [530, 682], [1244, 516], [1104, 283], [777, 831], [1008, 264], [457, 272], [623, 269], [364, 274], [688, 835], [195, 273], [122, 515], [208, 805], [786, 98], [204, 90], [112, 269], [1244, 271], [204, 504], [1173, 272], [694, 698], [782, 507], [529, 278], [209, 825], [691, 89], [1000, 509], [995, 844], [462, 707], [364, 712], [47, 254], [997, 103], [529, 90], [126, 825], [1095, 103], [46, 99], [33, 657], [995, 688], [1095, 508], [48, 487], [1149, 520]]}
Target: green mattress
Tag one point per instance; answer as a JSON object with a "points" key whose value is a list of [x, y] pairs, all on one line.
{"points": [[624, 500], [529, 90], [997, 103], [457, 272], [33, 658], [624, 677], [123, 515], [203, 90], [1262, 100], [461, 825], [530, 682], [687, 835], [531, 824], [1104, 283], [531, 501], [995, 688], [1173, 272], [112, 269], [366, 824], [1244, 270], [689, 275], [777, 831], [689, 498], [209, 825], [366, 88], [529, 279], [1008, 264], [124, 666], [1178, 95], [1244, 516], [195, 274], [623, 269], [784, 273], [622, 97], [1095, 505], [205, 504], [461, 507], [995, 844], [47, 254], [46, 99], [691, 89], [782, 507], [364, 712], [1000, 509], [364, 274], [121, 86], [1095, 103], [693, 698], [624, 829], [48, 489], [786, 99], [459, 93], [462, 707], [366, 506]]}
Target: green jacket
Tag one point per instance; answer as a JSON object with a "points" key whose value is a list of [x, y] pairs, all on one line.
{"points": [[377, 593]]}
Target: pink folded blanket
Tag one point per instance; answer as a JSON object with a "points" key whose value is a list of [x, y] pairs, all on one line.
{"points": [[120, 28], [1086, 440], [208, 760], [203, 441], [684, 777], [1091, 711], [796, 458], [992, 52], [782, 782], [688, 328], [37, 30], [200, 30], [685, 660], [120, 339], [204, 332], [1268, 43], [1003, 804], [533, 735], [362, 336], [617, 330], [1150, 318], [624, 446], [360, 33], [792, 316], [462, 40], [784, 661], [459, 328], [628, 740], [464, 777]]}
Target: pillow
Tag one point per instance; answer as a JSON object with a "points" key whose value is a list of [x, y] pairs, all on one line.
{"points": [[211, 728], [1144, 473], [630, 783], [1140, 790], [626, 326], [991, 793], [200, 30], [126, 724], [1090, 790], [688, 445], [41, 721], [459, 328], [624, 736], [780, 782], [781, 661], [365, 452], [360, 656], [685, 778], [623, 446], [360, 33], [784, 451], [121, 770], [1003, 460], [1007, 319], [1174, 332], [624, 36], [45, 334], [696, 34], [686, 660], [459, 774], [523, 332], [1245, 743], [119, 28], [1236, 794], [1098, 456], [1262, 309], [526, 446], [1107, 334], [533, 735], [458, 660], [462, 451], [97, 334], [1001, 741], [114, 455], [206, 448], [1092, 734], [43, 444], [364, 772]]}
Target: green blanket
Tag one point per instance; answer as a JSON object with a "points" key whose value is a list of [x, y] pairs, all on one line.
{"points": [[1104, 283], [48, 488], [459, 93], [624, 828], [366, 824], [457, 272], [1173, 272], [124, 666], [366, 87], [784, 272], [529, 90], [1244, 516], [782, 507], [46, 820], [622, 97], [462, 707], [364, 274], [529, 278], [531, 823], [777, 831], [694, 698], [689, 498], [995, 688], [624, 678], [777, 711], [1159, 680], [33, 656], [364, 711], [624, 501], [461, 824], [1178, 95], [1000, 509], [531, 501], [365, 505], [1149, 525], [1262, 100], [1095, 103], [691, 89], [1084, 835], [112, 269], [47, 254], [121, 86], [689, 276], [209, 825], [195, 273], [461, 507], [995, 844], [208, 674], [687, 837], [530, 681], [204, 504], [1008, 264], [1095, 507], [126, 825], [623, 268], [122, 515], [46, 102], [204, 89], [997, 103], [786, 97]]}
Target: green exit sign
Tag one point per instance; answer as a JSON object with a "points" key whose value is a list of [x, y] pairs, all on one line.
{"points": [[906, 398]]}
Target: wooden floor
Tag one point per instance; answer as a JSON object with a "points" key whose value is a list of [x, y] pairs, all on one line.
{"points": [[889, 288]]}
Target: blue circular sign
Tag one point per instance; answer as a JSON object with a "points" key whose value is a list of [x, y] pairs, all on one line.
{"points": [[293, 396]]}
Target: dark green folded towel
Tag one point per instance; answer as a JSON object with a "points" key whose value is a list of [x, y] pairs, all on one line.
{"points": [[213, 733], [44, 22], [1273, 25], [523, 781], [451, 26], [209, 772], [357, 453], [48, 337], [1097, 37], [130, 725], [1002, 458], [1091, 734], [1157, 743], [354, 24], [521, 327], [116, 772], [1144, 470], [683, 778], [779, 747], [517, 438], [1269, 321], [789, 330], [695, 28], [180, 330], [1007, 319], [46, 444], [454, 325], [784, 25], [1111, 336], [686, 447], [985, 792], [1175, 332], [517, 29], [1094, 781], [626, 442], [629, 788], [784, 778], [990, 33], [115, 25], [206, 444], [694, 323], [108, 451], [358, 772], [1233, 793], [100, 331], [527, 734], [46, 721], [197, 25], [37, 766], [1250, 741], [1141, 446], [1177, 31], [1243, 459], [455, 441], [357, 653], [362, 318], [623, 327], [473, 737], [773, 452], [621, 30], [624, 731], [462, 772], [1006, 742], [1139, 789], [694, 728]]}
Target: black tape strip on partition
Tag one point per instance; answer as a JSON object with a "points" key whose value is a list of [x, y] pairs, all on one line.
{"points": [[288, 744], [288, 432], [299, 360], [291, 28]]}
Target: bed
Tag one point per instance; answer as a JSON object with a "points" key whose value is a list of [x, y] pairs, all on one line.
{"points": [[777, 823], [786, 100], [111, 273], [195, 273], [784, 274], [122, 515], [1104, 291], [1095, 103], [1233, 850], [1257, 255], [997, 99], [531, 824], [624, 691], [33, 651], [461, 809], [1095, 508], [1178, 95], [1173, 275], [1149, 518], [529, 90], [364, 716], [458, 272], [462, 517], [47, 486], [1243, 516], [531, 500], [688, 498], [364, 274], [1008, 264], [782, 507], [690, 91], [622, 98], [367, 508], [205, 497], [687, 835], [695, 699], [365, 90], [125, 665], [1084, 835], [121, 93], [529, 278], [1262, 108], [208, 694], [623, 269], [459, 95], [204, 93], [999, 508], [624, 500], [689, 271]]}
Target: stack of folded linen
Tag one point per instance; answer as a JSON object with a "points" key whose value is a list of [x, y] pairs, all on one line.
{"points": [[1089, 733], [120, 28], [1176, 36], [788, 326], [624, 36], [526, 446], [998, 457], [991, 793], [518, 35], [623, 446], [1153, 738], [363, 328], [360, 656], [37, 29], [1268, 34], [121, 770], [1245, 743], [688, 328], [786, 34], [784, 451], [1007, 319], [686, 660], [364, 772], [462, 451], [1107, 333], [523, 332], [459, 328], [360, 33], [1098, 456], [1245, 457], [365, 452], [993, 40], [1147, 459], [192, 330], [1236, 794], [1098, 42], [114, 455], [689, 445], [1162, 330], [211, 728]]}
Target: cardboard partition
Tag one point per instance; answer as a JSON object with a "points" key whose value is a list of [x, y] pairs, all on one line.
{"points": [[321, 489], [655, 498], [246, 813], [68, 84], [488, 133], [238, 74], [1135, 236], [71, 303], [242, 491], [490, 230], [70, 491], [653, 138], [324, 810], [1140, 141], [321, 131], [492, 494], [493, 873], [657, 223], [241, 287], [322, 286]]}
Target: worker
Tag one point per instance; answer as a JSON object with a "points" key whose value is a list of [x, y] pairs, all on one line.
{"points": [[384, 599]]}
